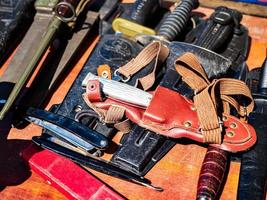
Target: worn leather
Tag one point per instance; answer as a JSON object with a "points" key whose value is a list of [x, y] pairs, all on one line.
{"points": [[169, 114]]}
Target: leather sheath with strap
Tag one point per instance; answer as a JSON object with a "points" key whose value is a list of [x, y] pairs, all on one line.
{"points": [[212, 98], [155, 51]]}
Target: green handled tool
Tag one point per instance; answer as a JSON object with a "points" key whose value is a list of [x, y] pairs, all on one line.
{"points": [[65, 12]]}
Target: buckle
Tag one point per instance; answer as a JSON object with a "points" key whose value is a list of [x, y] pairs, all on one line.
{"points": [[220, 123], [120, 77]]}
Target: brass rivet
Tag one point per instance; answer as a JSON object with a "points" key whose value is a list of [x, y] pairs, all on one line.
{"points": [[224, 118], [193, 108], [233, 125], [230, 134], [78, 108], [187, 124], [104, 74]]}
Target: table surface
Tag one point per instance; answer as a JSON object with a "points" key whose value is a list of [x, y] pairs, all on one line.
{"points": [[177, 172]]}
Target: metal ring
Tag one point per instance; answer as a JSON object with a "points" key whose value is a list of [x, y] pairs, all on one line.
{"points": [[123, 80], [65, 19]]}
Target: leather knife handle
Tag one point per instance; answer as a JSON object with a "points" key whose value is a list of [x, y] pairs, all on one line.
{"points": [[212, 173]]}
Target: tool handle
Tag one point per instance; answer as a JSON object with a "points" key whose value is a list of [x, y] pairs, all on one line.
{"points": [[177, 20], [67, 129], [212, 173], [117, 90], [219, 27], [142, 10]]}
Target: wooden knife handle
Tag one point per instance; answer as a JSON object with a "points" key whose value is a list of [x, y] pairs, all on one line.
{"points": [[212, 173]]}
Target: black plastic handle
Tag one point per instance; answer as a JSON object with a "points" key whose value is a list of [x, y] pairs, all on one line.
{"points": [[88, 135]]}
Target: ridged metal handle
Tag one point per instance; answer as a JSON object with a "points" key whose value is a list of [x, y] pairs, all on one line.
{"points": [[121, 91]]}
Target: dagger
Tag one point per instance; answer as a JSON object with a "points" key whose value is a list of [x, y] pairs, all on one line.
{"points": [[66, 12]]}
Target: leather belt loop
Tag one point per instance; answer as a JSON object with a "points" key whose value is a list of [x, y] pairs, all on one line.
{"points": [[155, 50]]}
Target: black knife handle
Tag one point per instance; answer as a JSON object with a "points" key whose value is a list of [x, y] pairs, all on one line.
{"points": [[143, 9], [96, 139], [177, 20], [219, 27], [253, 173]]}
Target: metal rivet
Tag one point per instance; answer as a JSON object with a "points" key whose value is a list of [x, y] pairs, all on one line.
{"points": [[105, 74], [187, 124], [92, 86], [224, 118], [230, 134], [193, 108], [233, 125], [78, 108]]}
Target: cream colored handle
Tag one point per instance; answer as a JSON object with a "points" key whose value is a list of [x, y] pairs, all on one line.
{"points": [[121, 91]]}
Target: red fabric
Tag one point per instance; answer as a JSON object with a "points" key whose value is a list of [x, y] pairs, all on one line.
{"points": [[70, 179]]}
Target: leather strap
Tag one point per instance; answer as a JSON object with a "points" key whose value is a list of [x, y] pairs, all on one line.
{"points": [[155, 50], [113, 115], [212, 98]]}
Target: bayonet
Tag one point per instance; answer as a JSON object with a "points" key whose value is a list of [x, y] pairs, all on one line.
{"points": [[65, 13]]}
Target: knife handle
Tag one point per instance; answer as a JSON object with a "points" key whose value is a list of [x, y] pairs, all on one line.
{"points": [[212, 173]]}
